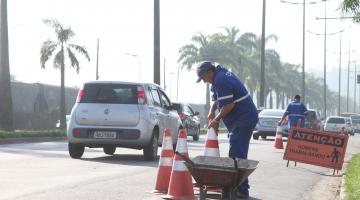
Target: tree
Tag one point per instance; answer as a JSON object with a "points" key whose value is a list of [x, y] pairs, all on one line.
{"points": [[57, 50], [6, 112], [351, 7]]}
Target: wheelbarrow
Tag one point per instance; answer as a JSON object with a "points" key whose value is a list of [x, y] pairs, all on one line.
{"points": [[220, 172]]}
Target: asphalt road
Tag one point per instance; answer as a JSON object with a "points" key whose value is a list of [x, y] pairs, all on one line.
{"points": [[39, 171]]}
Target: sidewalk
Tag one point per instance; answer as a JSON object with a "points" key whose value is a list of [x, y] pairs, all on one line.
{"points": [[30, 139]]}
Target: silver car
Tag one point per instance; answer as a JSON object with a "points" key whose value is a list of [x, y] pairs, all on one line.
{"points": [[335, 124], [121, 114], [268, 121]]}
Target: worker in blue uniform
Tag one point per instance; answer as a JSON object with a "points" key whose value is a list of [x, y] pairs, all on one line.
{"points": [[296, 111], [234, 106]]}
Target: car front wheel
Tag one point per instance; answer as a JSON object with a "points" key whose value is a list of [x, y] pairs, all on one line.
{"points": [[150, 151], [76, 150], [197, 134]]}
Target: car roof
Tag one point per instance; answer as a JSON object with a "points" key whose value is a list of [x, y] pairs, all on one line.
{"points": [[121, 82]]}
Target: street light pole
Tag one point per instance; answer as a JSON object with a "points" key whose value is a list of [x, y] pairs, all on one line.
{"points": [[303, 45], [348, 81], [303, 56], [97, 60], [325, 64], [355, 88], [339, 96], [262, 70]]}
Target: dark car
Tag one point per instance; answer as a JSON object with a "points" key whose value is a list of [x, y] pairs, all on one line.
{"points": [[189, 118], [313, 120]]}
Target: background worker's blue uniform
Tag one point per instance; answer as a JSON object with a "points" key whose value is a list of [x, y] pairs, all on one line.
{"points": [[296, 110], [241, 120]]}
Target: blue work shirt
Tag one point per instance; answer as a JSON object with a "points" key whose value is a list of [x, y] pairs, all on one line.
{"points": [[228, 88], [296, 110]]}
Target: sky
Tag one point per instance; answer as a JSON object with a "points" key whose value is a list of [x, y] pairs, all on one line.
{"points": [[125, 31]]}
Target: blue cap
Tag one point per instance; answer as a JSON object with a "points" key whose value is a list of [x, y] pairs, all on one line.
{"points": [[202, 68]]}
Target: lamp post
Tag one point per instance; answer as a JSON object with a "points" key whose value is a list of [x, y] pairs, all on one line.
{"points": [[262, 58], [303, 44]]}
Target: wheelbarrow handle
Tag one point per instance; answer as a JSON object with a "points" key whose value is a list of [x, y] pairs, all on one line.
{"points": [[185, 158]]}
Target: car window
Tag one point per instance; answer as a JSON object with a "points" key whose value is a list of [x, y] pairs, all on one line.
{"points": [[312, 114], [110, 93], [336, 120], [177, 107], [271, 113], [187, 110], [155, 96], [165, 102]]}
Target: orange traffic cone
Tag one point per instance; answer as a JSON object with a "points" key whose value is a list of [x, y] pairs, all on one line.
{"points": [[211, 144], [180, 186], [278, 139], [165, 164]]}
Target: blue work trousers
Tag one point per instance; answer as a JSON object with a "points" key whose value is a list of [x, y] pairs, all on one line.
{"points": [[239, 139]]}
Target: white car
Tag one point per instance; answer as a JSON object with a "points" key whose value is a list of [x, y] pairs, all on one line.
{"points": [[111, 114], [334, 124]]}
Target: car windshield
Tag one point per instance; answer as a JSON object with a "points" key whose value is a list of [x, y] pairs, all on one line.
{"points": [[336, 120], [355, 119], [264, 113], [110, 93], [312, 114]]}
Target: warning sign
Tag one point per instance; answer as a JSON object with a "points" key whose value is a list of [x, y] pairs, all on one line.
{"points": [[324, 149]]}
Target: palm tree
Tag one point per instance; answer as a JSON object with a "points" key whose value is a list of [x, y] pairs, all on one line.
{"points": [[6, 112], [57, 50]]}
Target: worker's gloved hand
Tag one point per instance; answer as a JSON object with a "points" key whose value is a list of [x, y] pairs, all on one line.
{"points": [[211, 116], [215, 125], [279, 123]]}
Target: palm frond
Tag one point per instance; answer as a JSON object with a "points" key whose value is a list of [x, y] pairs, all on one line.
{"points": [[73, 60], [53, 23], [46, 50], [81, 50], [65, 34]]}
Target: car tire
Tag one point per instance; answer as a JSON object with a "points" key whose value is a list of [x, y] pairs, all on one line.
{"points": [[150, 151], [255, 137], [197, 134], [109, 150], [76, 150]]}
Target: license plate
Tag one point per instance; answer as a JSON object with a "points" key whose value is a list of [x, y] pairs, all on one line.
{"points": [[105, 134]]}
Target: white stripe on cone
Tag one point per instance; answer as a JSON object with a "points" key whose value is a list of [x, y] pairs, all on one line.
{"points": [[167, 141], [212, 152], [181, 145], [165, 161], [179, 166]]}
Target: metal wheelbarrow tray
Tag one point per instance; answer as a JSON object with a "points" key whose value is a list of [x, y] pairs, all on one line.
{"points": [[226, 173]]}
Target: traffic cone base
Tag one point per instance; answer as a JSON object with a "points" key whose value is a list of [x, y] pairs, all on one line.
{"points": [[165, 164], [278, 139], [180, 186]]}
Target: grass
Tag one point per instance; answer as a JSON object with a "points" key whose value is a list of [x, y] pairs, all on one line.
{"points": [[32, 133], [352, 178], [203, 131]]}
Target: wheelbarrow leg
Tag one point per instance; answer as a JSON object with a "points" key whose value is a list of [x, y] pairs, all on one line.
{"points": [[203, 192], [232, 193], [225, 193]]}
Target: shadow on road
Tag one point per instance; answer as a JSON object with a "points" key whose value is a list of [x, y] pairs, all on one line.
{"points": [[124, 159]]}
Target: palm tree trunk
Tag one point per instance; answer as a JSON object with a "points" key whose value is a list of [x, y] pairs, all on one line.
{"points": [[62, 92], [6, 106], [271, 100]]}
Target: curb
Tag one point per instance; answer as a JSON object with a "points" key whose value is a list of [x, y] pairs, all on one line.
{"points": [[342, 189], [30, 140]]}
